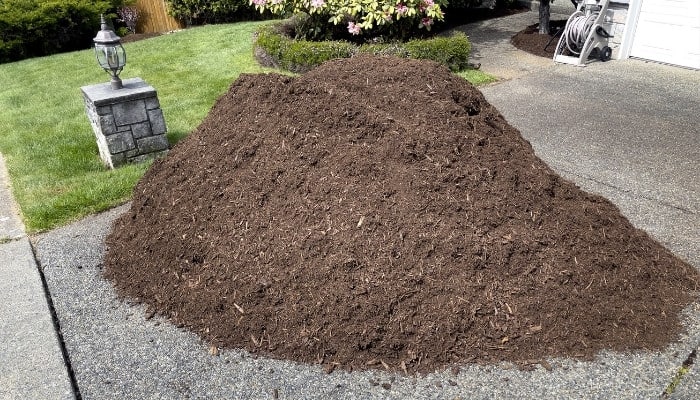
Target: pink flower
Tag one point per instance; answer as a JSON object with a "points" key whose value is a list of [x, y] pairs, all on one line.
{"points": [[317, 3], [428, 3], [401, 9], [259, 2], [353, 28], [426, 22]]}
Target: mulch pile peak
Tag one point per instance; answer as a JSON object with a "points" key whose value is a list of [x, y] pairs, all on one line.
{"points": [[380, 213]]}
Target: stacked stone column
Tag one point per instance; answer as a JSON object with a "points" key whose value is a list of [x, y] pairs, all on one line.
{"points": [[128, 123]]}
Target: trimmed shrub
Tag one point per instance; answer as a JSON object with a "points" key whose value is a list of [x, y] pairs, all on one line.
{"points": [[385, 49], [310, 54], [452, 51], [32, 28], [275, 47]]}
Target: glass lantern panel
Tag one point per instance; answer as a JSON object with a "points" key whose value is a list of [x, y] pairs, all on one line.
{"points": [[110, 56]]}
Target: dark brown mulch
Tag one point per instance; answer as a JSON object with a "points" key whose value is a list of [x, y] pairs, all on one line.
{"points": [[380, 213], [530, 40]]}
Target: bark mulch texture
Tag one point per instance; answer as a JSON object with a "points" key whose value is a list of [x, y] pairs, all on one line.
{"points": [[380, 213], [543, 45]]}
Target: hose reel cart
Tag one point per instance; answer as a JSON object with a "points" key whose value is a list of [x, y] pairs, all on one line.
{"points": [[584, 32]]}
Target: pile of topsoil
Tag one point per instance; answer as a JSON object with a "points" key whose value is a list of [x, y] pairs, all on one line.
{"points": [[379, 213]]}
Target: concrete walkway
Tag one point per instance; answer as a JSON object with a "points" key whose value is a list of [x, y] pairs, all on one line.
{"points": [[624, 129], [31, 359], [492, 49]]}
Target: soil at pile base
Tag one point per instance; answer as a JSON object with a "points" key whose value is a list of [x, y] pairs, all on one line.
{"points": [[380, 213]]}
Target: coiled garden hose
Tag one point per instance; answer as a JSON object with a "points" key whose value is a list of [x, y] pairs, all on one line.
{"points": [[577, 29]]}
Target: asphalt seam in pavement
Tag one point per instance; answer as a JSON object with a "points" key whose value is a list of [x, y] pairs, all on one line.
{"points": [[57, 327], [636, 194]]}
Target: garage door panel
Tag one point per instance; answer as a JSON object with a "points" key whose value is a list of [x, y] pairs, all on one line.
{"points": [[667, 19], [673, 10], [668, 31]]}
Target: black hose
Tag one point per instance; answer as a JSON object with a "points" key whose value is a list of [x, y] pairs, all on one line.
{"points": [[560, 30]]}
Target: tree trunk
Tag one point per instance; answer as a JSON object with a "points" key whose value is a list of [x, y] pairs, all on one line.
{"points": [[544, 17]]}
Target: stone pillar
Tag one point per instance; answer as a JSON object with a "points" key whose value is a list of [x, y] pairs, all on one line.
{"points": [[128, 123]]}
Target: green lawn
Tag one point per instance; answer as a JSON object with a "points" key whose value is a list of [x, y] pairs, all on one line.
{"points": [[48, 144], [477, 77]]}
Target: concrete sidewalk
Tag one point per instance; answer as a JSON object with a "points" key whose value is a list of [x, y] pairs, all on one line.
{"points": [[625, 129], [31, 360]]}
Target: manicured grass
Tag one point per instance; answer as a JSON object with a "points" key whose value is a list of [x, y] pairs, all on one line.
{"points": [[477, 77], [48, 144]]}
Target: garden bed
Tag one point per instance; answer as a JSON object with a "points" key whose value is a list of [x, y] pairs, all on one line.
{"points": [[533, 42]]}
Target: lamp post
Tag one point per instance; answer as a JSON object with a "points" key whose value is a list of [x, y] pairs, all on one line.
{"points": [[110, 53], [126, 117]]}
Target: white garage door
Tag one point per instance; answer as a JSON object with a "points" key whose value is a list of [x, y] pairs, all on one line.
{"points": [[668, 31]]}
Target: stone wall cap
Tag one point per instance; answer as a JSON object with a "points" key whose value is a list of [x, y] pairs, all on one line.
{"points": [[103, 94]]}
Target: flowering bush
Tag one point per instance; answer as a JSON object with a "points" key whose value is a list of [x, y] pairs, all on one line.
{"points": [[359, 17], [129, 15]]}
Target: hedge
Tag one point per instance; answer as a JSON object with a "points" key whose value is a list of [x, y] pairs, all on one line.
{"points": [[32, 28], [199, 12], [275, 47]]}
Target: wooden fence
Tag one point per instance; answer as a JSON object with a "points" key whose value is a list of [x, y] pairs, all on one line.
{"points": [[154, 17]]}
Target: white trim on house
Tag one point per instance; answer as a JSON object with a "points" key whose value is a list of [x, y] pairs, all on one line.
{"points": [[630, 28]]}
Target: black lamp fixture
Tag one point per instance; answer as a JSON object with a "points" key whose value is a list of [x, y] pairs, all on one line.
{"points": [[110, 53]]}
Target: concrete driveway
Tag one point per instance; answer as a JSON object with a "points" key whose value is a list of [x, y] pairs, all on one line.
{"points": [[628, 130]]}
